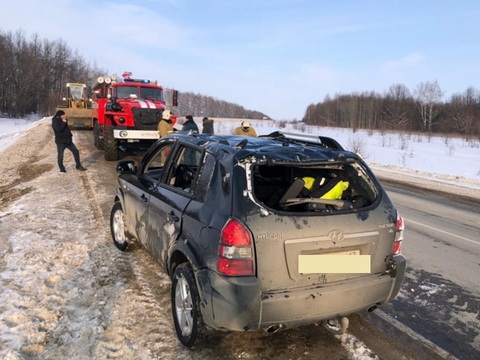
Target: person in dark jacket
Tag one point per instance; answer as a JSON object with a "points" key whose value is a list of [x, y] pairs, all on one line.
{"points": [[63, 139], [207, 126], [189, 124]]}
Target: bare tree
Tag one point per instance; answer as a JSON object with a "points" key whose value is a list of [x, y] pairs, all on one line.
{"points": [[429, 97], [462, 111], [397, 107]]}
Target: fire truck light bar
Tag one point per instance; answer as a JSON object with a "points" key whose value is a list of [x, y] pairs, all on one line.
{"points": [[143, 81]]}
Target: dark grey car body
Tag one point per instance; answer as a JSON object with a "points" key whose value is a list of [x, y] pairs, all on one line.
{"points": [[179, 214]]}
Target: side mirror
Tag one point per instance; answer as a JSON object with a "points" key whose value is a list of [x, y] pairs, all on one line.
{"points": [[126, 166], [175, 98]]}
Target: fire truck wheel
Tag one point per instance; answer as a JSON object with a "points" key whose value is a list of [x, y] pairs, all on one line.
{"points": [[97, 140], [110, 144]]}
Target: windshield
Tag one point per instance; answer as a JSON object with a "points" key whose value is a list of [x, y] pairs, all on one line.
{"points": [[150, 93], [76, 92], [131, 92], [126, 92]]}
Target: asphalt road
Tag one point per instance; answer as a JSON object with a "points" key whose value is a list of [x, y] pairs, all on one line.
{"points": [[440, 298], [437, 311]]}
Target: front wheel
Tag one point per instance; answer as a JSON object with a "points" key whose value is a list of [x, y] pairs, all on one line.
{"points": [[117, 228], [186, 306], [110, 144], [97, 135]]}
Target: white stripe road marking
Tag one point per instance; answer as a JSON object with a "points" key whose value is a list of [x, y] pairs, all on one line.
{"points": [[444, 232]]}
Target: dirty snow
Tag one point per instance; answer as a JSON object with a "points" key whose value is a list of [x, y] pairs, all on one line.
{"points": [[66, 293]]}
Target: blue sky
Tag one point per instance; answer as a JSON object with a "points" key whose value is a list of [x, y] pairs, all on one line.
{"points": [[276, 57]]}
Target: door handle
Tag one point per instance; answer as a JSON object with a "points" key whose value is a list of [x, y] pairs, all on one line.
{"points": [[172, 217], [144, 198]]}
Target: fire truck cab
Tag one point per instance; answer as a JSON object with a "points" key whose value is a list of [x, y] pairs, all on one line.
{"points": [[128, 111]]}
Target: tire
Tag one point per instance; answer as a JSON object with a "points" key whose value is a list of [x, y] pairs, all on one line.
{"points": [[186, 313], [97, 140], [117, 228], [110, 144]]}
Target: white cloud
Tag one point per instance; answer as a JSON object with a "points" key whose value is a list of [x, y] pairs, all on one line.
{"points": [[410, 61]]}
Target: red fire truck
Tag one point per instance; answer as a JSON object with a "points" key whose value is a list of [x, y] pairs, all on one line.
{"points": [[128, 112]]}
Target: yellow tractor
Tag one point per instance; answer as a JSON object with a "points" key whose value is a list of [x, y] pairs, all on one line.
{"points": [[78, 107]]}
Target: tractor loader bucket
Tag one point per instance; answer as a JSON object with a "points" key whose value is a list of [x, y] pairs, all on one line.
{"points": [[79, 118]]}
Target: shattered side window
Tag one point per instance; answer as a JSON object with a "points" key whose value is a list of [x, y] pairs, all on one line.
{"points": [[323, 188], [183, 171], [205, 176]]}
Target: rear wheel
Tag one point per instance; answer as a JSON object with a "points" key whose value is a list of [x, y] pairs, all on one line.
{"points": [[97, 138], [117, 228], [110, 144], [186, 306]]}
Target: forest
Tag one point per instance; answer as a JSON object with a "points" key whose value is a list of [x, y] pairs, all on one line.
{"points": [[399, 109], [34, 73]]}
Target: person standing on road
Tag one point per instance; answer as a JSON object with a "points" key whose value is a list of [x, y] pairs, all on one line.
{"points": [[63, 139], [165, 126], [189, 124], [245, 129], [207, 126]]}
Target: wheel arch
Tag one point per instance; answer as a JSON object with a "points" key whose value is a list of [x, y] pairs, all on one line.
{"points": [[120, 197], [185, 251]]}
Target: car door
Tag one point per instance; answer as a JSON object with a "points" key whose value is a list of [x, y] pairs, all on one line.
{"points": [[136, 197], [170, 199], [139, 189]]}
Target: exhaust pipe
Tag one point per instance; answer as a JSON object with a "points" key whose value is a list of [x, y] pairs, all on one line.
{"points": [[337, 325], [272, 329], [372, 308]]}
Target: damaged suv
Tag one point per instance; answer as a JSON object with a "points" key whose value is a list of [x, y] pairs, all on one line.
{"points": [[266, 233]]}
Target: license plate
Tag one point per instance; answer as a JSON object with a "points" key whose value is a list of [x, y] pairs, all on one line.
{"points": [[343, 262]]}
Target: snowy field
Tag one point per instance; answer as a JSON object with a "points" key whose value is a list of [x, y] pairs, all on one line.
{"points": [[11, 129], [447, 158]]}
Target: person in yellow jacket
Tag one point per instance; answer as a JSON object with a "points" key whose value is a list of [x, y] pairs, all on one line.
{"points": [[165, 126], [245, 129], [332, 190]]}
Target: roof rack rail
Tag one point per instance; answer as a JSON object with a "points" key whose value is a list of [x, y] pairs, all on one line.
{"points": [[324, 141]]}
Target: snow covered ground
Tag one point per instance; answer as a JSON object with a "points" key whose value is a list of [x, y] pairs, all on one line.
{"points": [[447, 158], [11, 129], [65, 294]]}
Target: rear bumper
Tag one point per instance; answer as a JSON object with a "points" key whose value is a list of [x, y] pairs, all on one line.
{"points": [[307, 306], [229, 303], [237, 303]]}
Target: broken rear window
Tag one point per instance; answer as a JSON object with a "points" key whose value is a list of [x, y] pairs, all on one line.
{"points": [[325, 188]]}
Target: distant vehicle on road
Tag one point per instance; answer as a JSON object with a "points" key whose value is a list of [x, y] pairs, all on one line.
{"points": [[127, 112], [77, 106]]}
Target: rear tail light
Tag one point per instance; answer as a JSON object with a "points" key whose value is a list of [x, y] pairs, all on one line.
{"points": [[235, 256], [399, 227]]}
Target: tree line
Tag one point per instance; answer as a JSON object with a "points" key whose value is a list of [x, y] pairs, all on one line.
{"points": [[202, 105], [399, 109], [34, 74]]}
